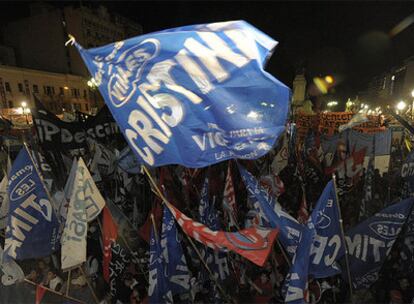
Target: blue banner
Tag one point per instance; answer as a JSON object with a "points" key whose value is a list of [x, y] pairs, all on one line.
{"points": [[175, 263], [297, 279], [32, 226], [370, 242], [272, 213], [194, 95], [216, 260], [327, 241], [158, 289]]}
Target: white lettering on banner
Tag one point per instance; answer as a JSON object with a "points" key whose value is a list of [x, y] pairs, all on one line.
{"points": [[363, 246], [318, 248], [47, 129], [17, 225], [147, 124], [407, 169]]}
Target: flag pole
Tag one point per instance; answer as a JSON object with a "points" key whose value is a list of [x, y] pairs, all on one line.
{"points": [[68, 286], [168, 205], [53, 291], [89, 285], [343, 241]]}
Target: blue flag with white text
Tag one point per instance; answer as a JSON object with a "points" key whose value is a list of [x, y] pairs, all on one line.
{"points": [[327, 241], [32, 226], [158, 289], [370, 242], [193, 95], [173, 255], [216, 260], [296, 281], [272, 213]]}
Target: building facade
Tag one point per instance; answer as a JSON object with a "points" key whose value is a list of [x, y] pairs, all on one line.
{"points": [[58, 92], [39, 39], [392, 86]]}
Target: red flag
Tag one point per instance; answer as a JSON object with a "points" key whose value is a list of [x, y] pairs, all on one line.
{"points": [[109, 235], [254, 244], [145, 230], [40, 292], [229, 198]]}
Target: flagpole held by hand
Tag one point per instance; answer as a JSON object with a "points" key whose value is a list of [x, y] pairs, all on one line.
{"points": [[344, 242]]}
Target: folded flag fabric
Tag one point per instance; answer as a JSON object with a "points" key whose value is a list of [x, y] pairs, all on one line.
{"points": [[254, 244]]}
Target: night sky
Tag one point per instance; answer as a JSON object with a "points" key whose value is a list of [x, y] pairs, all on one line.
{"points": [[349, 40]]}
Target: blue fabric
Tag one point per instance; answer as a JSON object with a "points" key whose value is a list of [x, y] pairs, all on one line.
{"points": [[272, 213], [216, 260], [297, 278], [194, 95], [174, 260], [370, 242], [32, 226], [327, 243], [158, 290], [128, 162]]}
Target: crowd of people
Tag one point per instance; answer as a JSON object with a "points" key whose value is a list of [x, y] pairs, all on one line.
{"points": [[242, 281]]}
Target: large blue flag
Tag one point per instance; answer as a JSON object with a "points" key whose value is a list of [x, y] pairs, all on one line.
{"points": [[159, 289], [272, 213], [327, 242], [319, 247], [194, 95], [173, 256], [32, 226], [296, 280], [370, 242]]}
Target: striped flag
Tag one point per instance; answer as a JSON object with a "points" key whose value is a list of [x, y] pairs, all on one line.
{"points": [[229, 199], [254, 244]]}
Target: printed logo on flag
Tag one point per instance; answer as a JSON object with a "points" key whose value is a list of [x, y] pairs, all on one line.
{"points": [[253, 241], [215, 72]]}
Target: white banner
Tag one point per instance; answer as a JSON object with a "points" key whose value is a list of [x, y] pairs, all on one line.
{"points": [[76, 227], [10, 271]]}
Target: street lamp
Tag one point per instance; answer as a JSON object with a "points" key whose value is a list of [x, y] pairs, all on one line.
{"points": [[93, 86], [25, 110], [401, 105]]}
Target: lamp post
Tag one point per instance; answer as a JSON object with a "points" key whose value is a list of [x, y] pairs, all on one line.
{"points": [[92, 87], [25, 110]]}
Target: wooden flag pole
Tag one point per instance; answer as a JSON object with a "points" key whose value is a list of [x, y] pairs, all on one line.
{"points": [[343, 241], [160, 195], [89, 285], [68, 285], [55, 292]]}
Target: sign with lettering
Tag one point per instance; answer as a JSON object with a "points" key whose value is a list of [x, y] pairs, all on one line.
{"points": [[54, 133], [32, 226], [194, 95], [370, 242], [328, 123]]}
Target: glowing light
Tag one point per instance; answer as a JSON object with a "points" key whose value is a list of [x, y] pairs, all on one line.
{"points": [[366, 106], [320, 84], [401, 105], [393, 77], [406, 22], [66, 88], [332, 103], [412, 93], [329, 79], [24, 104], [253, 115]]}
